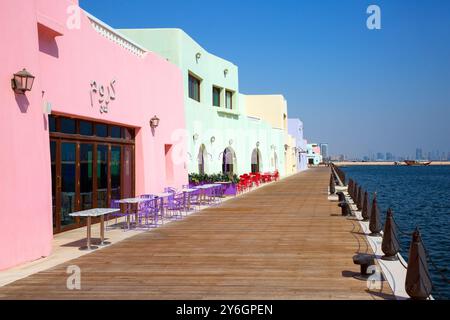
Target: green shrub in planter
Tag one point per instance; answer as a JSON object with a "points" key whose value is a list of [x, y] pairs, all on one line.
{"points": [[196, 178]]}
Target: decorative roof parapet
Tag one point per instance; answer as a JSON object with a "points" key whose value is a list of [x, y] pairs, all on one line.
{"points": [[114, 36]]}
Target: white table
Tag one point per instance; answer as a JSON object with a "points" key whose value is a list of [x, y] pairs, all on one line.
{"points": [[162, 196], [187, 192], [204, 187], [133, 201], [97, 212]]}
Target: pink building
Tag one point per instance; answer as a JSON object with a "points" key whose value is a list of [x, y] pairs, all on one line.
{"points": [[82, 136]]}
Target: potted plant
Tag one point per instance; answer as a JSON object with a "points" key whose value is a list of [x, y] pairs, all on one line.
{"points": [[196, 179]]}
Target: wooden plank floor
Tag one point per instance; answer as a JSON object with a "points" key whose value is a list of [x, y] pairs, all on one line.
{"points": [[282, 241]]}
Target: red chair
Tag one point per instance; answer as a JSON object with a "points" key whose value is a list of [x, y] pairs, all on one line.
{"points": [[276, 175], [244, 184], [257, 179]]}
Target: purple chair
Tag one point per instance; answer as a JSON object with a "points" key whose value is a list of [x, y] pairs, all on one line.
{"points": [[159, 207], [170, 190], [148, 213], [218, 189], [176, 204], [211, 195], [124, 212], [195, 199]]}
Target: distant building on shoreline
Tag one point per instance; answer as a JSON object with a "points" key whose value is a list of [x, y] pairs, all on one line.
{"points": [[419, 154], [295, 128], [324, 151], [314, 154]]}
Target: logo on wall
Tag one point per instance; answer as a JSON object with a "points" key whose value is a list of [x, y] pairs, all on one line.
{"points": [[102, 97]]}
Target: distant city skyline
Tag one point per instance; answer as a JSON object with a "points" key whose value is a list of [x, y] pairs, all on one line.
{"points": [[418, 154]]}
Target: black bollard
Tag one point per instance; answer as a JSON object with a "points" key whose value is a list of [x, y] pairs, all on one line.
{"points": [[346, 211], [355, 192], [343, 178], [375, 226], [365, 213], [390, 245], [332, 185], [341, 196], [360, 202], [350, 187], [418, 283], [358, 198]]}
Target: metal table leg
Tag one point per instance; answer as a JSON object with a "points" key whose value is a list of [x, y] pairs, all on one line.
{"points": [[189, 201], [102, 232], [88, 241]]}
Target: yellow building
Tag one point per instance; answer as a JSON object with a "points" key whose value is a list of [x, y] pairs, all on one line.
{"points": [[273, 110]]}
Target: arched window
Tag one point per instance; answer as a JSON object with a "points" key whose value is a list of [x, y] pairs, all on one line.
{"points": [[275, 157], [228, 161], [201, 159], [256, 160]]}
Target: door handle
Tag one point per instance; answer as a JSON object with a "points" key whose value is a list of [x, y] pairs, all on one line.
{"points": [[58, 182]]}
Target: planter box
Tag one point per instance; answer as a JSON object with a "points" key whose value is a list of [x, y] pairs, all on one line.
{"points": [[231, 189]]}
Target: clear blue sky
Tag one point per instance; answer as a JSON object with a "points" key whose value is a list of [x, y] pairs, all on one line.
{"points": [[359, 90]]}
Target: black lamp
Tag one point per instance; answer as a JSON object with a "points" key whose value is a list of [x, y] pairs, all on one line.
{"points": [[22, 82], [154, 122]]}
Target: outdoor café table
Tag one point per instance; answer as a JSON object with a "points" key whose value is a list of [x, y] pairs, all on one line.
{"points": [[224, 185], [131, 201], [98, 212], [187, 193], [162, 196], [203, 189]]}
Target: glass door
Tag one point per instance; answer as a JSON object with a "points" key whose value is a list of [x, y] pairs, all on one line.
{"points": [[116, 172], [90, 166], [102, 176], [127, 172], [86, 176], [53, 160], [67, 183]]}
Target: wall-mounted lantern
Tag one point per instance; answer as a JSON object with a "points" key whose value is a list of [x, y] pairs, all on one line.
{"points": [[198, 56], [225, 72], [213, 139], [22, 81], [154, 122], [286, 147], [195, 137], [257, 144]]}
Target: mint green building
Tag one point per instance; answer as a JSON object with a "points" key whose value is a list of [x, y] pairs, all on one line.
{"points": [[221, 135]]}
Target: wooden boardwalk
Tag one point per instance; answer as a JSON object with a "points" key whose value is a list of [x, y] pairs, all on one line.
{"points": [[282, 241]]}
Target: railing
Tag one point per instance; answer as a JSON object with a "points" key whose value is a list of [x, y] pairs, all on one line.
{"points": [[114, 36]]}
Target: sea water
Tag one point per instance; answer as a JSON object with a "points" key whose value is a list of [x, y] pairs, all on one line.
{"points": [[419, 197]]}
